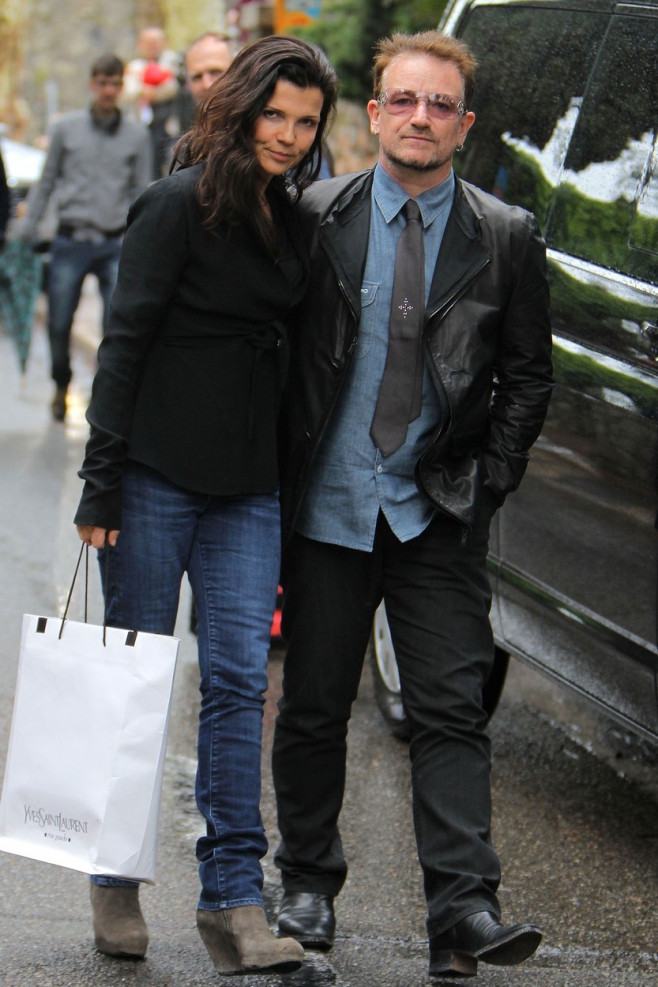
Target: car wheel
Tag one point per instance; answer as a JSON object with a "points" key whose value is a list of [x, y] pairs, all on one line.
{"points": [[385, 676], [493, 687], [387, 680]]}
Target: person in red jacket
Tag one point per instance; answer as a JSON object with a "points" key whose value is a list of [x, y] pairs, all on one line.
{"points": [[151, 86]]}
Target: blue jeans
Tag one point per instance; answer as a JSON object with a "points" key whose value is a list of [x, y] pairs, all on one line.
{"points": [[230, 547], [71, 261]]}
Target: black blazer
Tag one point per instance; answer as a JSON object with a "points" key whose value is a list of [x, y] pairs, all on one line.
{"points": [[190, 368]]}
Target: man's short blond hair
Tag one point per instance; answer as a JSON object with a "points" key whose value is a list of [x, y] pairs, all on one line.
{"points": [[433, 43]]}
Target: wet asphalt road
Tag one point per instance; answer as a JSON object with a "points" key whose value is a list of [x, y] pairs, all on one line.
{"points": [[575, 801]]}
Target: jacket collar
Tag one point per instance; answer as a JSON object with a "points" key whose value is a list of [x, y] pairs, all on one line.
{"points": [[345, 230], [344, 235], [462, 252]]}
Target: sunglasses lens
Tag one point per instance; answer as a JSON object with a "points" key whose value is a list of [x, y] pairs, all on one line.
{"points": [[443, 107], [439, 107], [402, 103]]}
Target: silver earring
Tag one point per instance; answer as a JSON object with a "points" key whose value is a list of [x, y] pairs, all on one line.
{"points": [[460, 147]]}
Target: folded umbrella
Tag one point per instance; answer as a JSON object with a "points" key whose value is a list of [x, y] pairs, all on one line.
{"points": [[20, 284]]}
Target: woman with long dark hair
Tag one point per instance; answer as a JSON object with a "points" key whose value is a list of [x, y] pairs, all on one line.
{"points": [[180, 473]]}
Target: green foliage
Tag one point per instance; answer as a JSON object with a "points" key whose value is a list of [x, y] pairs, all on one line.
{"points": [[600, 232], [587, 374], [418, 15], [348, 30]]}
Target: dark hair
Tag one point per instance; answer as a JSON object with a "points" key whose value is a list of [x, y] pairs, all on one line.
{"points": [[222, 134], [433, 43], [107, 65]]}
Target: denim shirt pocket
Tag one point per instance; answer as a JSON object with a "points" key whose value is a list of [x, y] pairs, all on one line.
{"points": [[367, 324]]}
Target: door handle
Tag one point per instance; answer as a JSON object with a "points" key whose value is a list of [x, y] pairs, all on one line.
{"points": [[649, 330]]}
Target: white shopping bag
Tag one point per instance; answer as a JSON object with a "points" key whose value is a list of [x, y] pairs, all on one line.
{"points": [[86, 753]]}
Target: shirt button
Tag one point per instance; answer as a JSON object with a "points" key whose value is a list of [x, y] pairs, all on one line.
{"points": [[380, 469]]}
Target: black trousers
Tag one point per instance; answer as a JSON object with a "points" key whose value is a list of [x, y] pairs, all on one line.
{"points": [[437, 596]]}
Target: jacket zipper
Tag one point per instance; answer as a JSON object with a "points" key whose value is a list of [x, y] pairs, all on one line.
{"points": [[439, 383], [435, 374], [352, 345]]}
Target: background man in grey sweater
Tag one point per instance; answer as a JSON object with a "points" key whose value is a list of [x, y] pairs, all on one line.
{"points": [[97, 164]]}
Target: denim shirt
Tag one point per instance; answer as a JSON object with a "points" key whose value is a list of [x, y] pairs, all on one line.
{"points": [[351, 480]]}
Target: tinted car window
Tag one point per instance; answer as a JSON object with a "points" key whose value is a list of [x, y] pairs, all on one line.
{"points": [[606, 209], [533, 67]]}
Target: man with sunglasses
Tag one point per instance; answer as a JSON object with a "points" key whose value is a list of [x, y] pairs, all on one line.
{"points": [[389, 492]]}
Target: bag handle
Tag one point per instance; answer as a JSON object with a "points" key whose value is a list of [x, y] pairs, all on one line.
{"points": [[83, 548], [131, 636]]}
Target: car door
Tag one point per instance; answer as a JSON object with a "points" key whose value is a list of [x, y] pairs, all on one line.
{"points": [[577, 543], [533, 61], [566, 126]]}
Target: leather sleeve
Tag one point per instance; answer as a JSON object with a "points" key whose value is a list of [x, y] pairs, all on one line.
{"points": [[522, 369], [153, 253]]}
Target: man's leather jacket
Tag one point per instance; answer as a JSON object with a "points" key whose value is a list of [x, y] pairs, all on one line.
{"points": [[487, 342]]}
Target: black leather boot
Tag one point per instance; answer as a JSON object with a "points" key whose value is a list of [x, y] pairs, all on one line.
{"points": [[309, 918], [480, 936]]}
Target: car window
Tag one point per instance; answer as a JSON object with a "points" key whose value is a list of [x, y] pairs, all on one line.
{"points": [[606, 208], [533, 67]]}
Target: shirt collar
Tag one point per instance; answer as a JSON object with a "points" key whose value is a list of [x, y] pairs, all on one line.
{"points": [[390, 196], [110, 124]]}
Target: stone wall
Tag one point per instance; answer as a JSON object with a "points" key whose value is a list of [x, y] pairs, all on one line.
{"points": [[61, 39], [350, 140]]}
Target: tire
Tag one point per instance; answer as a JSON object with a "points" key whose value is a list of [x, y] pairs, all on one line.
{"points": [[386, 678], [493, 687]]}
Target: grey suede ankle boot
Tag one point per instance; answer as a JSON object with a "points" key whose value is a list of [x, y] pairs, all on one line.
{"points": [[119, 926], [239, 940]]}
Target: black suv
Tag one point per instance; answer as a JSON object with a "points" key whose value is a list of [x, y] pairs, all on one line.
{"points": [[567, 126]]}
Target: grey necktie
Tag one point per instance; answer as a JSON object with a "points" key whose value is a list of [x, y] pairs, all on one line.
{"points": [[399, 398]]}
